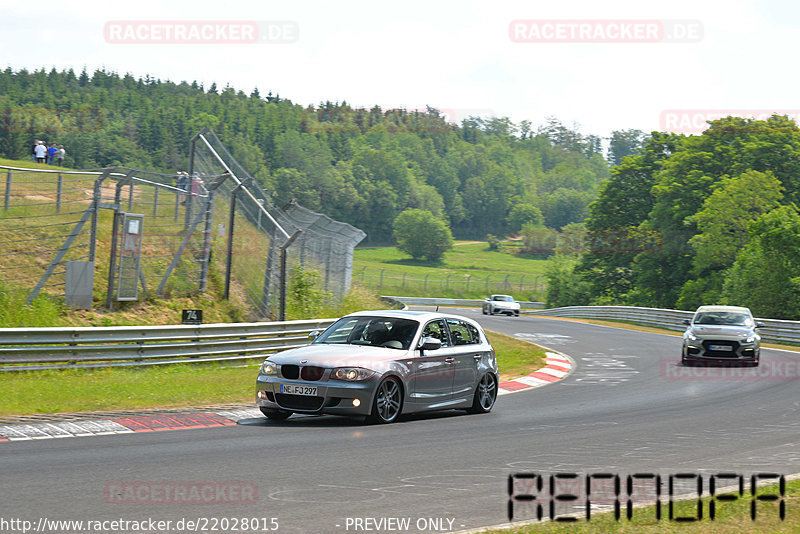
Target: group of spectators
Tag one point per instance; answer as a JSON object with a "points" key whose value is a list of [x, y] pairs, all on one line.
{"points": [[190, 184], [52, 155]]}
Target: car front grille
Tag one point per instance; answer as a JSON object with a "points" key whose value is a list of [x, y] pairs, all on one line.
{"points": [[311, 373], [298, 402], [290, 371], [733, 353]]}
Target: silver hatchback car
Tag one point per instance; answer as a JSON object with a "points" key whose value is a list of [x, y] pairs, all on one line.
{"points": [[380, 364], [721, 334]]}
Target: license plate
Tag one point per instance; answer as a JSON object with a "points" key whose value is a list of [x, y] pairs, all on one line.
{"points": [[296, 389], [721, 347]]}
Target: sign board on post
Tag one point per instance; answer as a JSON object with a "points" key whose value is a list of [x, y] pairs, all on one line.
{"points": [[129, 257], [192, 317]]}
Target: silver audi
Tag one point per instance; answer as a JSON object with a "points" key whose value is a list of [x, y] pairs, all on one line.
{"points": [[381, 364]]}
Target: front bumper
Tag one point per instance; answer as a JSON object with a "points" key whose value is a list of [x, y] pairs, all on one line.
{"points": [[507, 311], [702, 350], [334, 397]]}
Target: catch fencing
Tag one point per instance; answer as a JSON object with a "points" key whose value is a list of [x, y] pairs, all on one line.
{"points": [[530, 287], [154, 234], [270, 241], [53, 220]]}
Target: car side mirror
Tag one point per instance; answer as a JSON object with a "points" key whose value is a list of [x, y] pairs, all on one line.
{"points": [[312, 337], [760, 325], [687, 322], [430, 343]]}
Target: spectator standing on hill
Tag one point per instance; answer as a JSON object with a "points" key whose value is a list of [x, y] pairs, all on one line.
{"points": [[60, 155], [52, 152], [41, 152], [33, 150]]}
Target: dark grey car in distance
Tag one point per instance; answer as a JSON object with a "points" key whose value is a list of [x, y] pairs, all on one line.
{"points": [[380, 364]]}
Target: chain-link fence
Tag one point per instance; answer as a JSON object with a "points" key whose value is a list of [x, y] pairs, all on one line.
{"points": [[54, 220], [269, 241], [130, 234], [522, 287]]}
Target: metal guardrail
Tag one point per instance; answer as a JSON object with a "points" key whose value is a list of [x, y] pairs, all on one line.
{"points": [[774, 331], [24, 349]]}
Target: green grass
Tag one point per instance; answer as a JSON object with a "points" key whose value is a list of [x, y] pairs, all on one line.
{"points": [[77, 390], [125, 388], [730, 517], [468, 270]]}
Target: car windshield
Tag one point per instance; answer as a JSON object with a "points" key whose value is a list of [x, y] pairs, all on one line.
{"points": [[391, 332], [724, 318], [502, 298]]}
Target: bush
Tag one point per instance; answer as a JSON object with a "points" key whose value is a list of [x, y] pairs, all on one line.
{"points": [[420, 234], [565, 286], [305, 299]]}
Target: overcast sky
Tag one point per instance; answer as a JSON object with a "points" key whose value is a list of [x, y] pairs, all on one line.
{"points": [[462, 57]]}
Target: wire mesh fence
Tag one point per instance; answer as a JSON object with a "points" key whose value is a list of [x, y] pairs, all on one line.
{"points": [[523, 287], [269, 240], [51, 218], [165, 234], [41, 210]]}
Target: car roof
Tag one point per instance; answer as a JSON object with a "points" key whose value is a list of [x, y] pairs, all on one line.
{"points": [[739, 309], [420, 316]]}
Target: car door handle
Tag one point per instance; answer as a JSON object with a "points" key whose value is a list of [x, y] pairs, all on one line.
{"points": [[449, 360]]}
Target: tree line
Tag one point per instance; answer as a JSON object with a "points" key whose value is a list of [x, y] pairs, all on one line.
{"points": [[361, 166], [692, 220]]}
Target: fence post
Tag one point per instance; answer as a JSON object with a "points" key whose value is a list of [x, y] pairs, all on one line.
{"points": [[447, 283], [8, 190], [380, 282], [155, 201], [229, 256], [59, 192], [521, 280], [112, 264], [130, 195], [425, 286], [204, 266], [285, 275]]}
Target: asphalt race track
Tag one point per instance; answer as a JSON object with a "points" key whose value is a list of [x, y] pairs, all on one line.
{"points": [[628, 408]]}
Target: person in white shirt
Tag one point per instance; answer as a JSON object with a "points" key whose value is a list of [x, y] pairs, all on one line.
{"points": [[41, 152]]}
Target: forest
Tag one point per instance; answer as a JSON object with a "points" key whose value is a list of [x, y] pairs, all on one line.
{"points": [[361, 166]]}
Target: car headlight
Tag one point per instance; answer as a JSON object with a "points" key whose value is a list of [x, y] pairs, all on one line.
{"points": [[750, 339], [351, 374], [269, 368], [691, 337]]}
